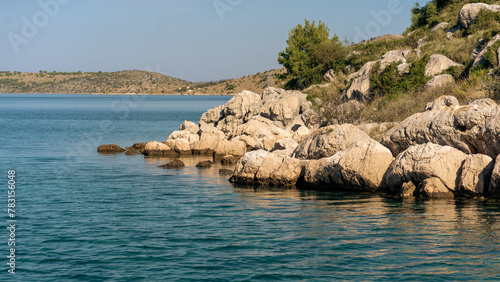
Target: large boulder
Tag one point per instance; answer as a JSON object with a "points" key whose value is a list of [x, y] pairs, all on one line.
{"points": [[327, 141], [266, 137], [241, 104], [209, 138], [364, 71], [439, 81], [157, 149], [476, 175], [359, 90], [264, 168], [437, 64], [360, 167], [479, 58], [425, 161], [181, 146], [392, 57], [473, 128], [285, 108], [186, 135], [252, 126], [494, 189], [189, 126], [285, 144], [212, 116], [469, 13], [233, 147]]}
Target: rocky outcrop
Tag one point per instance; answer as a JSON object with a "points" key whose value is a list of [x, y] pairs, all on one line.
{"points": [[241, 104], [190, 127], [327, 141], [360, 167], [421, 162], [265, 168], [110, 149], [137, 148], [393, 57], [476, 175], [479, 58], [209, 138], [404, 68], [232, 147], [212, 116], [472, 129], [287, 144], [439, 81], [159, 149], [440, 26], [469, 13], [359, 90], [494, 189], [329, 76], [437, 64]]}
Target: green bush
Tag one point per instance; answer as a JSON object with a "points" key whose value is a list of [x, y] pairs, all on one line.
{"points": [[390, 84], [310, 53]]}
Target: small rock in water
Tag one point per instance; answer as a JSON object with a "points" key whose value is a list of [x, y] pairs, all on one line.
{"points": [[229, 159], [205, 164], [225, 171], [173, 164], [110, 149]]}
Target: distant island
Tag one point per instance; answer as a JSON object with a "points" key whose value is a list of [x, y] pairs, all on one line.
{"points": [[127, 82]]}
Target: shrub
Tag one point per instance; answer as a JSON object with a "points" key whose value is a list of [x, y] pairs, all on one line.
{"points": [[310, 53], [390, 84]]}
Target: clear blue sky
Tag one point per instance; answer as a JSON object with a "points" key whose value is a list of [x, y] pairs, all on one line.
{"points": [[196, 40]]}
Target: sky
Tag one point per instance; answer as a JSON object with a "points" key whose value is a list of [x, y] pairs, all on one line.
{"points": [[195, 40]]}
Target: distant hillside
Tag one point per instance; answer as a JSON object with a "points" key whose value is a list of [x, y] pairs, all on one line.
{"points": [[94, 83], [126, 82]]}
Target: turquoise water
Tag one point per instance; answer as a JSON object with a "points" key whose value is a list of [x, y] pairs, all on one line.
{"points": [[89, 217]]}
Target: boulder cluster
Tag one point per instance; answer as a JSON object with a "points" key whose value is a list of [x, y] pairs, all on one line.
{"points": [[275, 138], [446, 151]]}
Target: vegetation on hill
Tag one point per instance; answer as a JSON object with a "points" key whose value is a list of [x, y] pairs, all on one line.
{"points": [[396, 95], [127, 82]]}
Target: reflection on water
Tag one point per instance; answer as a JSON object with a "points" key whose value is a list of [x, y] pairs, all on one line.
{"points": [[450, 238]]}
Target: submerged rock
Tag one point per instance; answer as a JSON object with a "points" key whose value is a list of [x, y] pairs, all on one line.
{"points": [[175, 164], [205, 164]]}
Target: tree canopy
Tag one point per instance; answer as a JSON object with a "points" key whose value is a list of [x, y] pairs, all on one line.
{"points": [[310, 53]]}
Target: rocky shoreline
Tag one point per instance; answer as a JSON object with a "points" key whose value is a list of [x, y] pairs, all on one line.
{"points": [[446, 151]]}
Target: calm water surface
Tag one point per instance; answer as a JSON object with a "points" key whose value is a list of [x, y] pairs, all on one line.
{"points": [[89, 217]]}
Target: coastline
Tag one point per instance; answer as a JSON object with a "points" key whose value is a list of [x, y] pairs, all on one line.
{"points": [[278, 139]]}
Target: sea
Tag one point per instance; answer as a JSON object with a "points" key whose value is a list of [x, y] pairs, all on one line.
{"points": [[80, 216]]}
